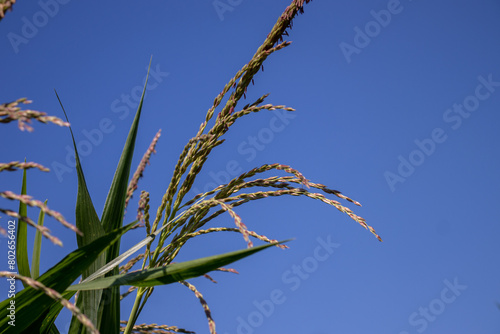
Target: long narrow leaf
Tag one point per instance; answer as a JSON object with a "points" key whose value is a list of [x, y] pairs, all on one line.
{"points": [[47, 324], [112, 218], [88, 222], [37, 247], [171, 273], [31, 304], [22, 236]]}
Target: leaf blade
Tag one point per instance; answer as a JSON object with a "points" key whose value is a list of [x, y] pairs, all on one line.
{"points": [[112, 218], [37, 247], [31, 304], [22, 235], [171, 273], [88, 222]]}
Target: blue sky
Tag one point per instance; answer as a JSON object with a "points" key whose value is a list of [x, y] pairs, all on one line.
{"points": [[396, 106]]}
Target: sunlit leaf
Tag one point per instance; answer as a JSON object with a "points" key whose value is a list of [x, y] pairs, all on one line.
{"points": [[171, 273]]}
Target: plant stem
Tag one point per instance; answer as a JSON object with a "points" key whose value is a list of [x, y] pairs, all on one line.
{"points": [[133, 312]]}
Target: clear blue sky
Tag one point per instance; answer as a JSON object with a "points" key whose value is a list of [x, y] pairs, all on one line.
{"points": [[397, 106]]}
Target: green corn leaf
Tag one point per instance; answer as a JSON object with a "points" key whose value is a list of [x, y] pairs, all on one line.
{"points": [[171, 273], [112, 218], [32, 304], [39, 325], [22, 235], [88, 222], [37, 246], [47, 325]]}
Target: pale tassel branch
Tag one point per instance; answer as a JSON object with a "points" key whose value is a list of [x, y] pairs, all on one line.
{"points": [[10, 112]]}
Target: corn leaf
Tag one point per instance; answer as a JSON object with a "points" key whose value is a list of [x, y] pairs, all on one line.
{"points": [[22, 235], [171, 273], [32, 304], [88, 222], [37, 247], [47, 325], [112, 218]]}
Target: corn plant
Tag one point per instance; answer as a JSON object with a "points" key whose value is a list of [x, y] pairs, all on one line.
{"points": [[177, 220]]}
